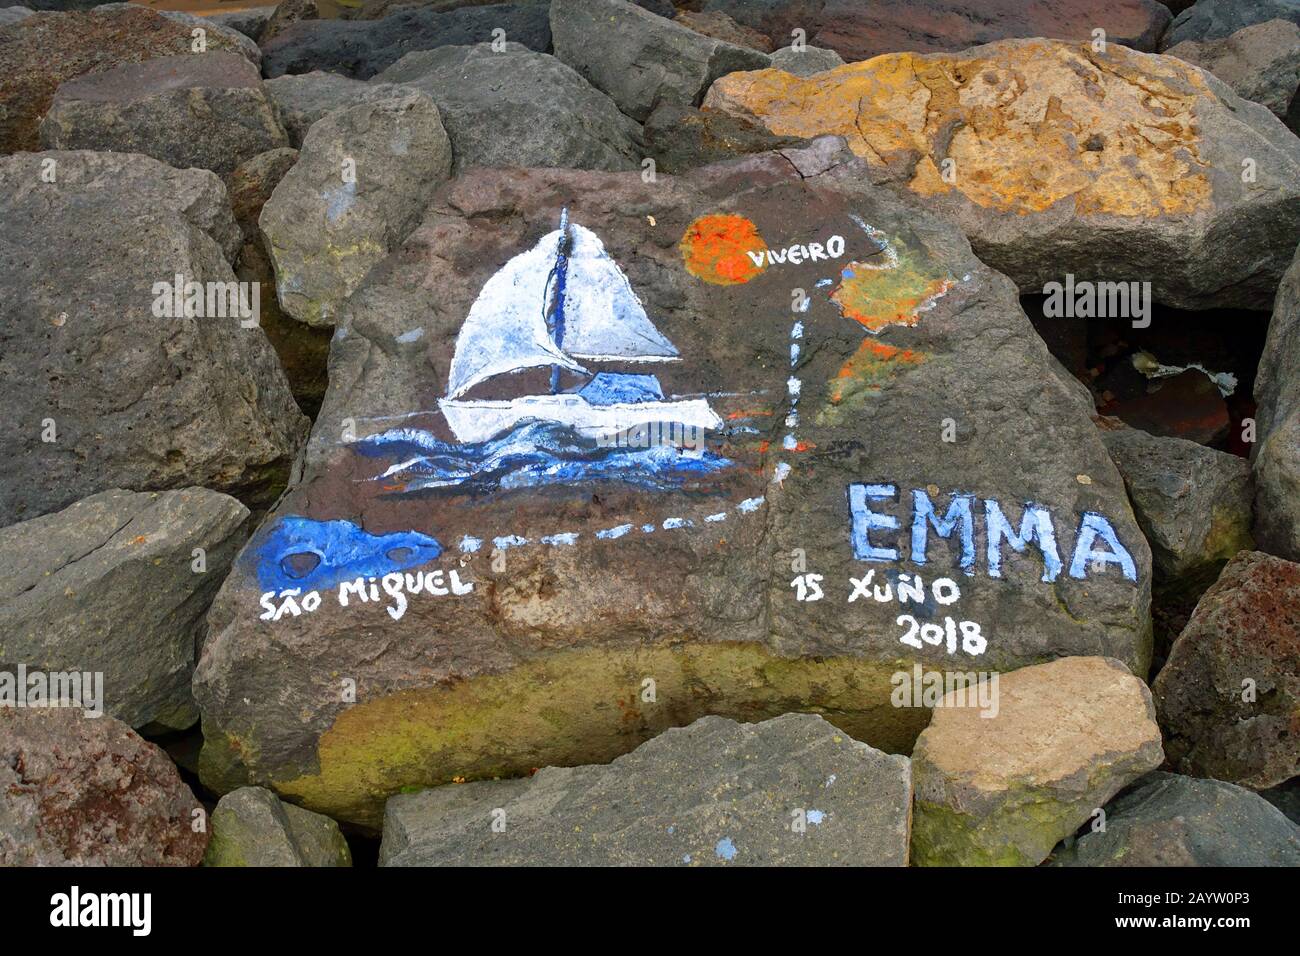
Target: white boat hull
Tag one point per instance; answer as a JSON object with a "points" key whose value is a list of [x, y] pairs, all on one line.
{"points": [[476, 421]]}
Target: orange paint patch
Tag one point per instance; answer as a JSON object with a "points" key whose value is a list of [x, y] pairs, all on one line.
{"points": [[716, 248], [872, 365]]}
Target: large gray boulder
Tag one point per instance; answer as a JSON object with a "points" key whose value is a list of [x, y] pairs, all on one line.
{"points": [[584, 569], [119, 584], [791, 791], [806, 60], [543, 113], [253, 827], [205, 110], [104, 389], [1276, 453], [639, 59], [1215, 19], [301, 99], [1192, 502], [1261, 63], [1167, 819], [1113, 167], [362, 48], [89, 791], [361, 181]]}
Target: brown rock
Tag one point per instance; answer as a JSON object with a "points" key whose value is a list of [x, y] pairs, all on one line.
{"points": [[1229, 698], [41, 51], [722, 27], [1063, 739], [84, 791]]}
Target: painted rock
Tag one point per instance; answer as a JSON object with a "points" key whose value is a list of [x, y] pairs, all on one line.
{"points": [[640, 59], [859, 31], [360, 183], [1116, 167], [203, 110], [791, 791], [1229, 697], [362, 48], [1170, 820], [253, 827], [1276, 452], [1261, 63], [89, 791], [1002, 785], [39, 52], [543, 113], [131, 358], [791, 443], [118, 585]]}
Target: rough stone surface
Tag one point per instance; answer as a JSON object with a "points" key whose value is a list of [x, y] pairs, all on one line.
{"points": [[78, 791], [1170, 820], [639, 59], [10, 15], [792, 791], [362, 48], [1276, 453], [1215, 19], [682, 137], [1245, 628], [807, 61], [135, 401], [249, 22], [1261, 63], [722, 27], [304, 98], [1066, 737], [1111, 166], [40, 52], [543, 113], [859, 31], [599, 580], [1193, 503], [252, 827], [205, 110], [323, 231], [229, 37], [109, 586], [252, 183]]}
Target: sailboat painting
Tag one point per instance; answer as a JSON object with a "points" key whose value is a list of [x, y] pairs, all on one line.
{"points": [[563, 304]]}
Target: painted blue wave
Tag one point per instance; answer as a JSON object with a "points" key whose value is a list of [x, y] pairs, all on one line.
{"points": [[533, 454], [313, 555]]}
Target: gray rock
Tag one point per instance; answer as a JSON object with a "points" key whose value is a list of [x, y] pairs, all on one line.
{"points": [[252, 827], [10, 15], [792, 791], [640, 59], [113, 585], [664, 573], [1215, 19], [324, 230], [683, 137], [1193, 504], [362, 48], [1286, 797], [1170, 820], [1261, 63], [543, 113], [205, 110], [88, 791], [1276, 453], [302, 99], [251, 185], [248, 22], [807, 61], [103, 392]]}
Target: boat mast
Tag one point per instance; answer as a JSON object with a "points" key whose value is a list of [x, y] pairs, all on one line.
{"points": [[555, 318]]}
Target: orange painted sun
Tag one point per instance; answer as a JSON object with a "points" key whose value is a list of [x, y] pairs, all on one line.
{"points": [[716, 249]]}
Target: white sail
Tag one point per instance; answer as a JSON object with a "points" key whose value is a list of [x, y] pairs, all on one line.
{"points": [[603, 318], [506, 327]]}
